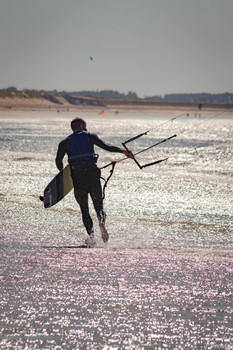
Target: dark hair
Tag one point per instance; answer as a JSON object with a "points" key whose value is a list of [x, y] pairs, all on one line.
{"points": [[75, 123]]}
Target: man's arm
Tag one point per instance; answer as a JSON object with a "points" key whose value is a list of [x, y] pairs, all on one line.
{"points": [[95, 140], [63, 148]]}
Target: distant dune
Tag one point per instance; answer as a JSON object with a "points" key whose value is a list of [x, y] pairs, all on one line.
{"points": [[26, 100]]}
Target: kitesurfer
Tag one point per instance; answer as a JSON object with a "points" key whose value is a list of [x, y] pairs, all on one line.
{"points": [[79, 146]]}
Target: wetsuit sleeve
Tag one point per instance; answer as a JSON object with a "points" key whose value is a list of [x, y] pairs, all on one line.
{"points": [[95, 140], [63, 148]]}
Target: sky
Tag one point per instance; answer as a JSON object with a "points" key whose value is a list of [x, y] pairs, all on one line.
{"points": [[151, 47]]}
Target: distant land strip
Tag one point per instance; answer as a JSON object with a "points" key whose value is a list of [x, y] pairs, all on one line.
{"points": [[32, 99]]}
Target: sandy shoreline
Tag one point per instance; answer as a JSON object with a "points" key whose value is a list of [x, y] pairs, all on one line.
{"points": [[111, 107]]}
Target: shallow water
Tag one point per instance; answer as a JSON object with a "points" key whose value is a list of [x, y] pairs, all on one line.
{"points": [[125, 299], [165, 278], [185, 202]]}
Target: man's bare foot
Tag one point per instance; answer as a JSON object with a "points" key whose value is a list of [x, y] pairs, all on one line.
{"points": [[90, 241], [104, 232]]}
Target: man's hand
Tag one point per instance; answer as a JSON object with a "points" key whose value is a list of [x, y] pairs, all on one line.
{"points": [[129, 154]]}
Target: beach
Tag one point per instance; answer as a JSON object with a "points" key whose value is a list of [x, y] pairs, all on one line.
{"points": [[62, 103], [163, 281]]}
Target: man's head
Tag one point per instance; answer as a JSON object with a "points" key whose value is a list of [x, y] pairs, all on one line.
{"points": [[78, 124]]}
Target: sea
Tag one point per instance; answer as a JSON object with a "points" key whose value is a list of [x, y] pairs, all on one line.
{"points": [[165, 278]]}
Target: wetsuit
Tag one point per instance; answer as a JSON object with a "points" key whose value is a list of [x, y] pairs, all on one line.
{"points": [[85, 174]]}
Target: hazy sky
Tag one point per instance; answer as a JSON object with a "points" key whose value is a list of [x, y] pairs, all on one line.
{"points": [[152, 47]]}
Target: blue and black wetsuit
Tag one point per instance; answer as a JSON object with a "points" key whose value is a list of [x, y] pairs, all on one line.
{"points": [[85, 174]]}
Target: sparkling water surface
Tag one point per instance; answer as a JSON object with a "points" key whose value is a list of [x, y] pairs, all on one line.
{"points": [[164, 280]]}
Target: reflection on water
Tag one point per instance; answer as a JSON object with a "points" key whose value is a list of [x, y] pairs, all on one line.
{"points": [[184, 202], [165, 278], [71, 298]]}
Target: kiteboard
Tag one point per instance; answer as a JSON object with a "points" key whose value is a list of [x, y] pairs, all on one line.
{"points": [[58, 188]]}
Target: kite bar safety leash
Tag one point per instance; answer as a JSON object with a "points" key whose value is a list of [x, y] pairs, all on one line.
{"points": [[111, 173]]}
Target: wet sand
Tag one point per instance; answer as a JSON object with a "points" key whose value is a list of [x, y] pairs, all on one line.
{"points": [[72, 298]]}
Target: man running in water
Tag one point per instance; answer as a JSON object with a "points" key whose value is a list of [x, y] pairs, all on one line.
{"points": [[79, 146]]}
